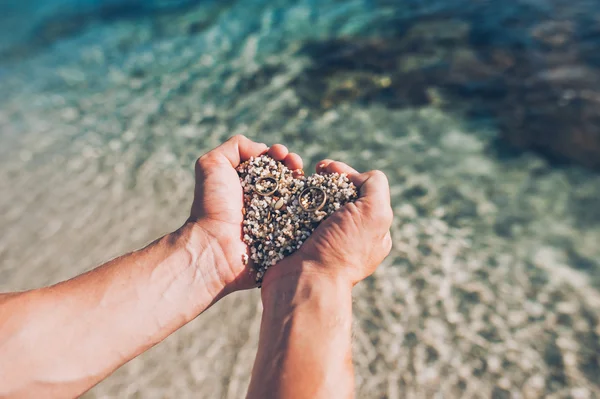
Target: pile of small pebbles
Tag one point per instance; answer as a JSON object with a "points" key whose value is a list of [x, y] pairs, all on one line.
{"points": [[282, 207]]}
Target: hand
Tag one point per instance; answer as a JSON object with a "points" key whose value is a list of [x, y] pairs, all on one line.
{"points": [[218, 202], [353, 241]]}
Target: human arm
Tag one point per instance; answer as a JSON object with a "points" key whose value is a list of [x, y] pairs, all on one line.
{"points": [[61, 340], [305, 339]]}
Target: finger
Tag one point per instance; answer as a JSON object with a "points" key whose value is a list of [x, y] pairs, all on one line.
{"points": [[387, 242], [374, 199], [238, 149], [359, 179], [293, 161], [330, 166], [278, 152], [373, 185], [340, 167], [322, 166]]}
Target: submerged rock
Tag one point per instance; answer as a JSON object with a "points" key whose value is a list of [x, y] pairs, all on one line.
{"points": [[557, 115], [541, 89]]}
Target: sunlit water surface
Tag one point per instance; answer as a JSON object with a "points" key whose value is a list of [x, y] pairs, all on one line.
{"points": [[492, 288]]}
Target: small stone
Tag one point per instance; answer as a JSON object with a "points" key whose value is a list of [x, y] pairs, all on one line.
{"points": [[70, 114], [494, 364], [580, 393], [504, 383], [279, 204]]}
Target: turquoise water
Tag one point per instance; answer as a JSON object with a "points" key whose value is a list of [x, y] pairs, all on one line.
{"points": [[483, 115]]}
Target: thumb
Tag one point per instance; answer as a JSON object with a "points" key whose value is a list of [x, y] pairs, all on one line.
{"points": [[234, 151], [374, 198]]}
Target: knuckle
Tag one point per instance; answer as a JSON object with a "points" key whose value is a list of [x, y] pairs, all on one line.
{"points": [[378, 176], [387, 243], [333, 165], [238, 138], [204, 160], [389, 215]]}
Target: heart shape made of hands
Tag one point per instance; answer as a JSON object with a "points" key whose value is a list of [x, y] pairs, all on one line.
{"points": [[282, 208]]}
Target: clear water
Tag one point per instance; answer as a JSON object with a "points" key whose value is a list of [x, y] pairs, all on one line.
{"points": [[483, 114]]}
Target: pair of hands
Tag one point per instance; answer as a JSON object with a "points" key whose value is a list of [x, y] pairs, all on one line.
{"points": [[133, 302], [348, 246]]}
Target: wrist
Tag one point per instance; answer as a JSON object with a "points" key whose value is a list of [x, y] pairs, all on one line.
{"points": [[293, 276], [312, 310], [202, 258]]}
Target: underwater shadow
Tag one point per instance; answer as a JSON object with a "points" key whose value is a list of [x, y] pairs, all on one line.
{"points": [[535, 76]]}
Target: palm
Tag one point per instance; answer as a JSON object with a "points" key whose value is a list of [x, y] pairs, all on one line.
{"points": [[218, 200], [219, 197]]}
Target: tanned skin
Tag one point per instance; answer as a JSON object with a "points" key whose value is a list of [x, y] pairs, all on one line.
{"points": [[60, 341]]}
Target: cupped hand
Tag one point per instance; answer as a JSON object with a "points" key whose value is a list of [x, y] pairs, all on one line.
{"points": [[352, 242], [218, 203]]}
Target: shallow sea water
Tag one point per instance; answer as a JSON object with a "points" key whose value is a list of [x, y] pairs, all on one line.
{"points": [[493, 285]]}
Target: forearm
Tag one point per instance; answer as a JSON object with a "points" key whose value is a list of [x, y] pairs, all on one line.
{"points": [[305, 340], [62, 340]]}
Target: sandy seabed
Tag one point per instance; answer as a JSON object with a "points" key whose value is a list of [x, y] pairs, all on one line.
{"points": [[492, 288]]}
